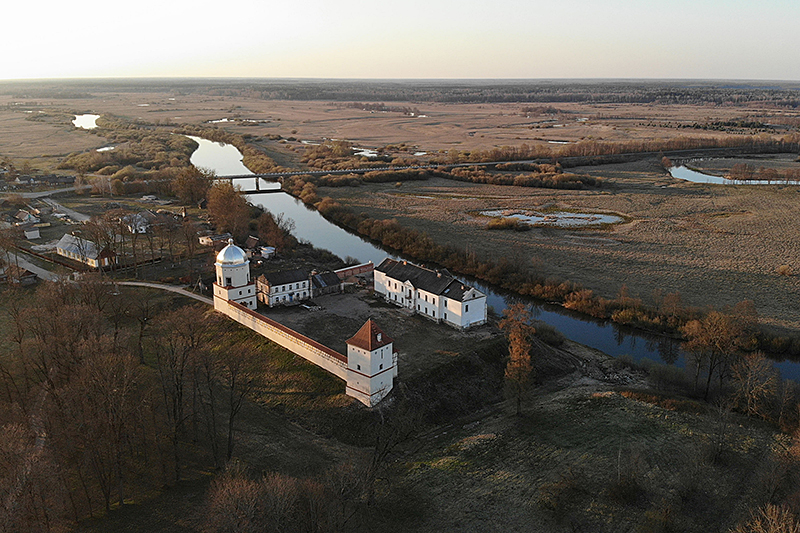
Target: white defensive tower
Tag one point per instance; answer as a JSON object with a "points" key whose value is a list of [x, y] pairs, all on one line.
{"points": [[233, 279]]}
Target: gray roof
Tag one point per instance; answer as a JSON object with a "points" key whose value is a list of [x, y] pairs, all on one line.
{"points": [[283, 277], [439, 282], [78, 246], [325, 279]]}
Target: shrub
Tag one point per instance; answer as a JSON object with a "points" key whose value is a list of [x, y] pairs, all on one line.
{"points": [[508, 223]]}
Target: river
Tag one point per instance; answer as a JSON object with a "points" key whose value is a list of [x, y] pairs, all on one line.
{"points": [[312, 227]]}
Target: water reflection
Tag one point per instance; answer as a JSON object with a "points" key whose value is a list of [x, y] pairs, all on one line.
{"points": [[87, 122], [687, 174]]}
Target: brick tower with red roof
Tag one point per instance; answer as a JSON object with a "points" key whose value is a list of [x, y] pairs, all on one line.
{"points": [[371, 364]]}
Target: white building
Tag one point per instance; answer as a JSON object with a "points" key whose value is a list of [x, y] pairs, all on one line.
{"points": [[371, 364], [84, 251], [285, 287], [233, 279], [434, 294]]}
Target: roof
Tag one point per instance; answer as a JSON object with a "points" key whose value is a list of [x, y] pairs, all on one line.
{"points": [[231, 255], [78, 246], [285, 276], [251, 242], [439, 282], [370, 337], [325, 279]]}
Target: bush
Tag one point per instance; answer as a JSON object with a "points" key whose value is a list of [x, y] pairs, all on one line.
{"points": [[508, 223]]}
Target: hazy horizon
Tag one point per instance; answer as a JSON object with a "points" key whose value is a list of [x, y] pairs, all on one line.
{"points": [[311, 39]]}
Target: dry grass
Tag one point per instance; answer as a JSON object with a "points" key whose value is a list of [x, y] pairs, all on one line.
{"points": [[593, 462], [445, 126], [715, 245]]}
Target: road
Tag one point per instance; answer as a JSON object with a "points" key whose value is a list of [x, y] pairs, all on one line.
{"points": [[58, 208], [42, 194]]}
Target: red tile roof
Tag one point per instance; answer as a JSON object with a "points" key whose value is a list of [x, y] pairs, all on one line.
{"points": [[370, 337]]}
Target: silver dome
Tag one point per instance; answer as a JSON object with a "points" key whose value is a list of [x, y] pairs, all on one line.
{"points": [[231, 255]]}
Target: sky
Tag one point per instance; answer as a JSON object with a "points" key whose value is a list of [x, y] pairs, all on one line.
{"points": [[668, 39]]}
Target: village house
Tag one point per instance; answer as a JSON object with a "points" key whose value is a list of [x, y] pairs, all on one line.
{"points": [[139, 222], [209, 240], [31, 232], [84, 251], [286, 287], [434, 294], [24, 217]]}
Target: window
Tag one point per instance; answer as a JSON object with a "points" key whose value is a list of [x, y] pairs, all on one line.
{"points": [[380, 367], [466, 308], [240, 293], [358, 367], [228, 282], [434, 314]]}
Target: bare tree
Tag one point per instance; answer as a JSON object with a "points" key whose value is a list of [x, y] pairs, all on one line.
{"points": [[756, 384], [184, 334], [189, 232]]}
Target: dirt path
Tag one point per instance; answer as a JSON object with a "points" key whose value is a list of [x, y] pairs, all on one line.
{"points": [[171, 288]]}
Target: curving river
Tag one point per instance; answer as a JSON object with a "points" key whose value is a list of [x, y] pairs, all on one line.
{"points": [[312, 227]]}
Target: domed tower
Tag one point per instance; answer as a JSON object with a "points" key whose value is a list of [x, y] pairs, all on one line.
{"points": [[233, 279]]}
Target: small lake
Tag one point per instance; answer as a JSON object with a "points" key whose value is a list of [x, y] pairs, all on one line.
{"points": [[312, 227], [87, 122], [559, 219], [683, 173]]}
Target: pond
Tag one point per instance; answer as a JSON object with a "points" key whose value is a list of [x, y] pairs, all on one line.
{"points": [[312, 227], [87, 122], [560, 219], [683, 173]]}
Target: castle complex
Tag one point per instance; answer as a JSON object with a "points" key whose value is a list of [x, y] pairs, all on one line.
{"points": [[370, 366]]}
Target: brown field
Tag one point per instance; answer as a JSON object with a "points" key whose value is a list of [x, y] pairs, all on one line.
{"points": [[443, 126], [716, 245]]}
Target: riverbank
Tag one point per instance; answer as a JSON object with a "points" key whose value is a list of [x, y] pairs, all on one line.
{"points": [[714, 246]]}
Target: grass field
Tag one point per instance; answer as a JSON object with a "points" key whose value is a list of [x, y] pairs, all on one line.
{"points": [[716, 245]]}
